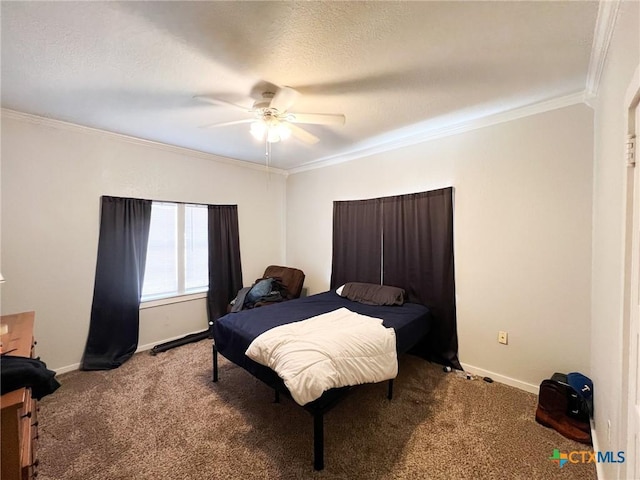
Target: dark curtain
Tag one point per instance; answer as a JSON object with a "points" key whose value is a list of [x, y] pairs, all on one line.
{"points": [[122, 251], [357, 238], [225, 270], [418, 256]]}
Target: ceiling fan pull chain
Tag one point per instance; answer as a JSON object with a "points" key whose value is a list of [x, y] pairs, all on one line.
{"points": [[267, 157], [267, 153]]}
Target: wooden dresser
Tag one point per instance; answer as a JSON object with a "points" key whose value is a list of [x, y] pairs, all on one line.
{"points": [[19, 410]]}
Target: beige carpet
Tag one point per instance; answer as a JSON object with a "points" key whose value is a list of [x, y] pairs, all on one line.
{"points": [[162, 418]]}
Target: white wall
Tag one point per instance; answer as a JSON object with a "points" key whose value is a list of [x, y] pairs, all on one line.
{"points": [[53, 175], [522, 229], [607, 341]]}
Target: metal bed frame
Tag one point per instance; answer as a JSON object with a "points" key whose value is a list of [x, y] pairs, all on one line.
{"points": [[316, 409]]}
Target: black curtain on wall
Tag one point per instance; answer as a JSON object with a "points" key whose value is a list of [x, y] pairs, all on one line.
{"points": [[418, 255], [412, 237], [122, 252], [357, 238], [225, 270]]}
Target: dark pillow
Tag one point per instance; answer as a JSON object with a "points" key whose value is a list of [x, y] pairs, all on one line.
{"points": [[372, 294]]}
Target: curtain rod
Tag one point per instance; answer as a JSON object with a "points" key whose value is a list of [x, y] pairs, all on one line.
{"points": [[172, 201]]}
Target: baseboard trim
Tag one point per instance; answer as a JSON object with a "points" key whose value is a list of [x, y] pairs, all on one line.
{"points": [[596, 448], [141, 348], [68, 368], [149, 346], [527, 387]]}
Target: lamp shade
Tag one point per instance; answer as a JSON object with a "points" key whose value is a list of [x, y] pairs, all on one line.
{"points": [[273, 129], [258, 129]]}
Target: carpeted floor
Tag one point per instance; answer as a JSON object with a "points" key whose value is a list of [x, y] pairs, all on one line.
{"points": [[162, 418]]}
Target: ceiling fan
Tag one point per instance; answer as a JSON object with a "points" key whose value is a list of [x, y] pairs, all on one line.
{"points": [[271, 119]]}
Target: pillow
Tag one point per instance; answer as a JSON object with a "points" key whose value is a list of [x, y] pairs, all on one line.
{"points": [[339, 290], [372, 294]]}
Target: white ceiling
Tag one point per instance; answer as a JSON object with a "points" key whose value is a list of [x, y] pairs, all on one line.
{"points": [[134, 67]]}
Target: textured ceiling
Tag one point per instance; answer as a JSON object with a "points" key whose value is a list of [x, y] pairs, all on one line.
{"points": [[134, 67]]}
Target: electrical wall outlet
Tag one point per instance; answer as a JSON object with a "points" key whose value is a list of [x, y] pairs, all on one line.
{"points": [[502, 337]]}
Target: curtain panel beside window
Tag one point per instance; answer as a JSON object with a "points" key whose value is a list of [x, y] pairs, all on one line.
{"points": [[122, 251], [225, 269]]}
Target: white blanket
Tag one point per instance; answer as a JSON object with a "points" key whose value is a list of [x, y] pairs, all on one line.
{"points": [[335, 349]]}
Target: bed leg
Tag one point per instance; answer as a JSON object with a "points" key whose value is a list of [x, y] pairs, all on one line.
{"points": [[318, 442], [215, 363], [390, 392]]}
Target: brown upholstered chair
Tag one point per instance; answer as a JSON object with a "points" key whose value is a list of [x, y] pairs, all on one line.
{"points": [[291, 278]]}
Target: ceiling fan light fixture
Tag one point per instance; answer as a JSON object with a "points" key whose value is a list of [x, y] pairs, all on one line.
{"points": [[273, 130], [272, 135], [284, 132], [272, 122], [258, 130]]}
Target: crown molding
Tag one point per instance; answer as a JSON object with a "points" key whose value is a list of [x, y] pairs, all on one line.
{"points": [[399, 139], [72, 127], [437, 132], [605, 23]]}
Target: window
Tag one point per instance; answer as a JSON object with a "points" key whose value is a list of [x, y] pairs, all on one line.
{"points": [[177, 252]]}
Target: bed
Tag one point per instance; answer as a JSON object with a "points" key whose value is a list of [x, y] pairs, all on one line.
{"points": [[234, 333]]}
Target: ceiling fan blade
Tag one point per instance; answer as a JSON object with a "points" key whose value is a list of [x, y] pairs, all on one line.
{"points": [[284, 98], [224, 124], [218, 101], [302, 134], [317, 118]]}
